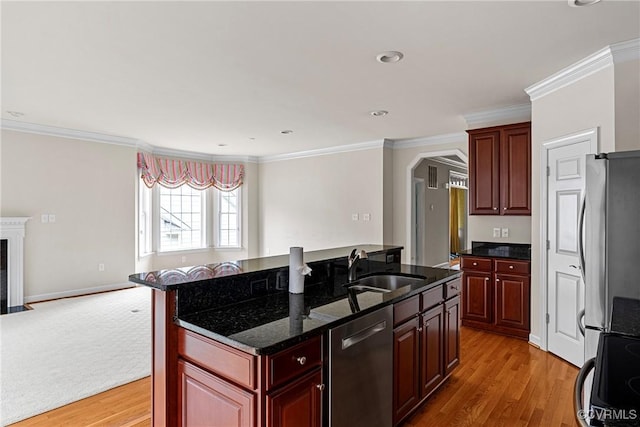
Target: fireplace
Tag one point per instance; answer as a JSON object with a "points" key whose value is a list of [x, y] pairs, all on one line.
{"points": [[12, 231]]}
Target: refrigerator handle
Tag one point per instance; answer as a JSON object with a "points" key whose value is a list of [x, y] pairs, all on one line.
{"points": [[577, 392], [580, 323], [581, 237]]}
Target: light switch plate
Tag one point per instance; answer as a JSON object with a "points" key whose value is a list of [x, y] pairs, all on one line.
{"points": [[52, 218], [366, 217], [496, 232], [354, 217], [505, 232], [44, 218]]}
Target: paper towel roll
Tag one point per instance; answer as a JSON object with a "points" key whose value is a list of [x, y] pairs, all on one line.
{"points": [[296, 278], [296, 313]]}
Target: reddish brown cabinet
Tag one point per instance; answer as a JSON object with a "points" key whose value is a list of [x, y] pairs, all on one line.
{"points": [[221, 386], [499, 299], [298, 403], [500, 170], [426, 345], [206, 400]]}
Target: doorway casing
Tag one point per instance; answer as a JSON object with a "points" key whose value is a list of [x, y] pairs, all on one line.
{"points": [[410, 220]]}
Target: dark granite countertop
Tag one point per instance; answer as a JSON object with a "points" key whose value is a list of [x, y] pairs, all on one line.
{"points": [[499, 250], [174, 278], [268, 324], [625, 317]]}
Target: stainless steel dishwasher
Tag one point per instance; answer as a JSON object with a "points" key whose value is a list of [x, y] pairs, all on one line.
{"points": [[361, 371]]}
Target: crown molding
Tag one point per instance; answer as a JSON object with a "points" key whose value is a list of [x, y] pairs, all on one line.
{"points": [[606, 57], [118, 140], [68, 133], [521, 112], [449, 138], [450, 162], [325, 151]]}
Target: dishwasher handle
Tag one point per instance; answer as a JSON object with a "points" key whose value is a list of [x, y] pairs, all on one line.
{"points": [[577, 391], [363, 334]]}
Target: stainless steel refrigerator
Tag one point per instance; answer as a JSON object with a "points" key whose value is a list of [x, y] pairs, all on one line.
{"points": [[610, 247], [611, 238]]}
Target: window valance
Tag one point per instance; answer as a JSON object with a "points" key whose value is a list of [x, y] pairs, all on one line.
{"points": [[172, 173]]}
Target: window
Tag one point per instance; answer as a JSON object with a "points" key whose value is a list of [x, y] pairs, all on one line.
{"points": [[228, 219], [182, 216]]}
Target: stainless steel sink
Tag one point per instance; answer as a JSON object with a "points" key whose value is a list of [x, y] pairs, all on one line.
{"points": [[386, 282]]}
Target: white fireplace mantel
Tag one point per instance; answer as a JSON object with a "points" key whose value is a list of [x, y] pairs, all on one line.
{"points": [[13, 229]]}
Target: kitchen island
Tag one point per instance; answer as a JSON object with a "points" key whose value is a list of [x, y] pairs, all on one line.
{"points": [[231, 346]]}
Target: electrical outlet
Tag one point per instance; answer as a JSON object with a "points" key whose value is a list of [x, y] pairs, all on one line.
{"points": [[496, 232], [354, 217], [366, 217], [505, 232], [101, 267], [52, 218], [44, 218]]}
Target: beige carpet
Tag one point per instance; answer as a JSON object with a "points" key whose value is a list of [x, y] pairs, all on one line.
{"points": [[69, 349]]}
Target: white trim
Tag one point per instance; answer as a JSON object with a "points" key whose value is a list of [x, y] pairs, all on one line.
{"points": [[380, 143], [448, 138], [68, 133], [103, 138], [535, 340], [615, 53], [79, 292], [12, 229], [512, 113], [592, 136], [450, 162], [409, 232]]}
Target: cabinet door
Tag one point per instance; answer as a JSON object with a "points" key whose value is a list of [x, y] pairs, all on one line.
{"points": [[477, 297], [512, 301], [451, 334], [406, 359], [206, 400], [432, 348], [484, 172], [515, 171], [298, 404]]}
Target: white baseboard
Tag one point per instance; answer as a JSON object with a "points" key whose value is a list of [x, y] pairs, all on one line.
{"points": [[535, 340], [78, 292]]}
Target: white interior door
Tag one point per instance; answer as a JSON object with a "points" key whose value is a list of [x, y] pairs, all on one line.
{"points": [[565, 287]]}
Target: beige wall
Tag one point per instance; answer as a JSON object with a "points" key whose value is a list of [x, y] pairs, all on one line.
{"points": [[585, 104], [627, 88], [309, 201], [90, 189]]}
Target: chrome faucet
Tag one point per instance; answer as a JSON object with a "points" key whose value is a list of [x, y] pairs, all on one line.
{"points": [[354, 257]]}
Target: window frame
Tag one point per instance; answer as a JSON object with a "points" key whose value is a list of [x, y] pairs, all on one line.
{"points": [[217, 221], [204, 218], [145, 220]]}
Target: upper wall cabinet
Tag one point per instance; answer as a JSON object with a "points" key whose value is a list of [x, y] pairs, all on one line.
{"points": [[500, 170]]}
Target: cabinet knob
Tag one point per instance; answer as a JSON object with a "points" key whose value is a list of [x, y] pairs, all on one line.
{"points": [[301, 360], [320, 387], [511, 267], [495, 209], [475, 263], [426, 324], [419, 329], [497, 280], [504, 209]]}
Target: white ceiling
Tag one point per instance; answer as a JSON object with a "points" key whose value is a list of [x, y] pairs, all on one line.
{"points": [[192, 75]]}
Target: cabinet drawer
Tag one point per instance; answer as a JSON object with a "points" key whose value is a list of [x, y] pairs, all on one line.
{"points": [[431, 297], [406, 310], [512, 267], [476, 264], [292, 362], [452, 288], [225, 361]]}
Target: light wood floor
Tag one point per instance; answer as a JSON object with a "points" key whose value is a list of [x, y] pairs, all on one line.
{"points": [[500, 382]]}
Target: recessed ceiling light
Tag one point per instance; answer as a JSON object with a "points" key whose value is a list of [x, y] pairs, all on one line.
{"points": [[222, 145], [379, 113], [15, 114], [390, 56], [286, 132], [578, 3], [251, 139]]}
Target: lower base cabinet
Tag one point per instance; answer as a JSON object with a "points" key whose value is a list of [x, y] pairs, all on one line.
{"points": [[206, 400], [297, 404], [426, 346]]}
